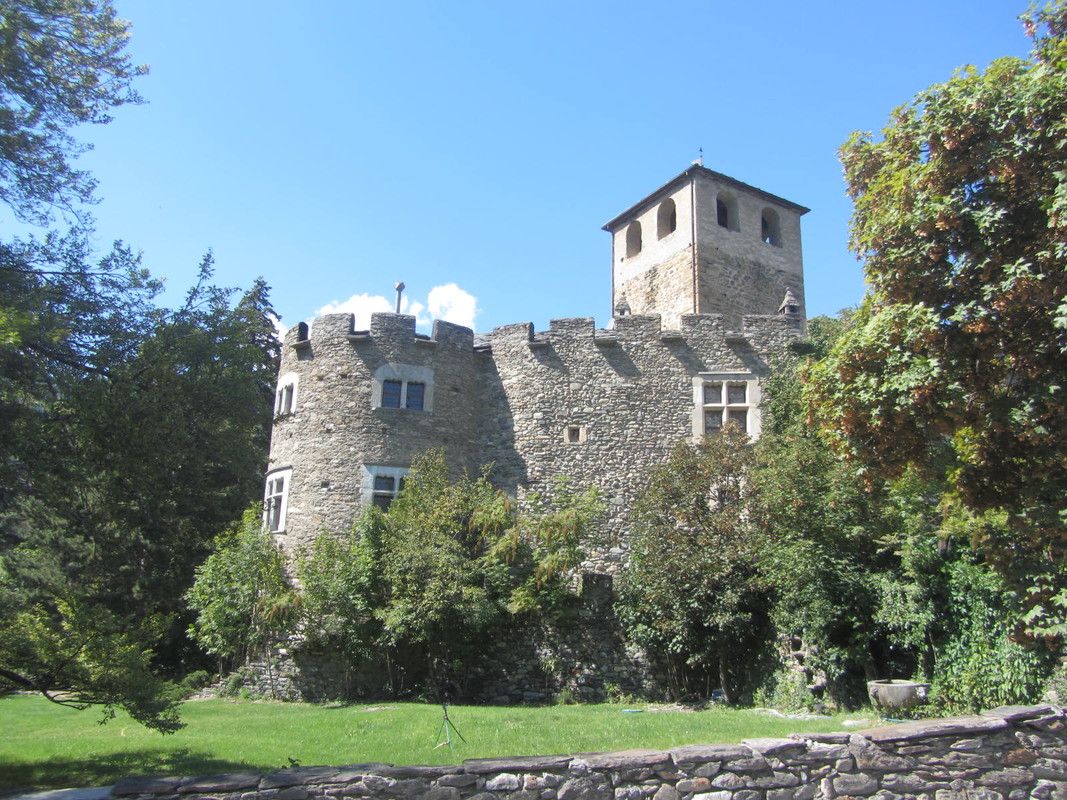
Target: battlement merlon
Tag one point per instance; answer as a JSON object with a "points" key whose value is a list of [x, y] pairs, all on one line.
{"points": [[759, 329], [393, 327]]}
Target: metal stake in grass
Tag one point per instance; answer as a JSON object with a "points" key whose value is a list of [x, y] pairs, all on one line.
{"points": [[447, 729], [445, 690]]}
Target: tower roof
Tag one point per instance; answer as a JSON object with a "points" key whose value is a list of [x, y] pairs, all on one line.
{"points": [[688, 175]]}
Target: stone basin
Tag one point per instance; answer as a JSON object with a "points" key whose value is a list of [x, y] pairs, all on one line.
{"points": [[891, 695]]}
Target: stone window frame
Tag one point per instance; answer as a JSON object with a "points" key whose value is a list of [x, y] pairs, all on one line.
{"points": [[753, 395], [286, 394], [368, 489], [276, 499], [575, 434], [406, 374]]}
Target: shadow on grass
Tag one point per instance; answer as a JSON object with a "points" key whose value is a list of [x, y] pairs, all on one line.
{"points": [[101, 770]]}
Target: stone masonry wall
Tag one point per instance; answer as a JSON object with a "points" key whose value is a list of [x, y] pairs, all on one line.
{"points": [[628, 390], [334, 430], [1010, 753], [738, 273], [659, 279], [665, 288]]}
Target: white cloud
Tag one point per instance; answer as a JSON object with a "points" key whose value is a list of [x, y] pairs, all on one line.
{"points": [[452, 304], [448, 302]]}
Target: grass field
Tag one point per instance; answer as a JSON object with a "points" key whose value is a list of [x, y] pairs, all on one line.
{"points": [[43, 745]]}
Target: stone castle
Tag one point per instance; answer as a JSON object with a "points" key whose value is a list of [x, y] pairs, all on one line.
{"points": [[707, 286]]}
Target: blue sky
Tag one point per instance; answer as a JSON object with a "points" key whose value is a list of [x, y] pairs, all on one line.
{"points": [[336, 147]]}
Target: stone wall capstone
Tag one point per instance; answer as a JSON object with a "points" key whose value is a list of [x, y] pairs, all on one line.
{"points": [[1010, 753]]}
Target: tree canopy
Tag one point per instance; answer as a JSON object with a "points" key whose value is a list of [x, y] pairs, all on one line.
{"points": [[961, 221], [691, 592], [131, 434], [62, 63]]}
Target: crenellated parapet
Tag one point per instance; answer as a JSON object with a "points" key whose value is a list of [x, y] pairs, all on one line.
{"points": [[762, 330]]}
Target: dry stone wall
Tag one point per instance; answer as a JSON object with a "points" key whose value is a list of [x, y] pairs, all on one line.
{"points": [[1010, 753]]}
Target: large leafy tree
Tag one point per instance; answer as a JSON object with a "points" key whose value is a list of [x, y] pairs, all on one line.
{"points": [[62, 63], [919, 600], [130, 434], [691, 594], [128, 452], [961, 220]]}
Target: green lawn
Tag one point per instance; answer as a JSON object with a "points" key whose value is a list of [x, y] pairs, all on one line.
{"points": [[43, 745]]}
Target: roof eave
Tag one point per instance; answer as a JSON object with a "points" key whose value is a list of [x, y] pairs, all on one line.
{"points": [[687, 175]]}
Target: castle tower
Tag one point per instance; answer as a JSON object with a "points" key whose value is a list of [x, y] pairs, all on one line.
{"points": [[705, 243]]}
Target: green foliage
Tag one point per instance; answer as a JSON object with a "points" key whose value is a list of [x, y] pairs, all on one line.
{"points": [[821, 533], [807, 532], [961, 219], [194, 682], [786, 690], [450, 563], [341, 589], [691, 593], [446, 581], [131, 433], [78, 655], [240, 595], [978, 667], [64, 65]]}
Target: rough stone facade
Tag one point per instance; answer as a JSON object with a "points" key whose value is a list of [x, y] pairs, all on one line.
{"points": [[597, 406], [1010, 753], [732, 250]]}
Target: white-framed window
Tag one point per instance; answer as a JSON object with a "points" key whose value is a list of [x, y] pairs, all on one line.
{"points": [[403, 386], [381, 484], [285, 397], [726, 398], [276, 499]]}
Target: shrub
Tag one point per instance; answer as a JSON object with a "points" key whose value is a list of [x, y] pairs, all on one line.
{"points": [[240, 595]]}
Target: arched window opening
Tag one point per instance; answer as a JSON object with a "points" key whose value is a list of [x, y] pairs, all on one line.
{"points": [[666, 218], [770, 229], [726, 212], [633, 239]]}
